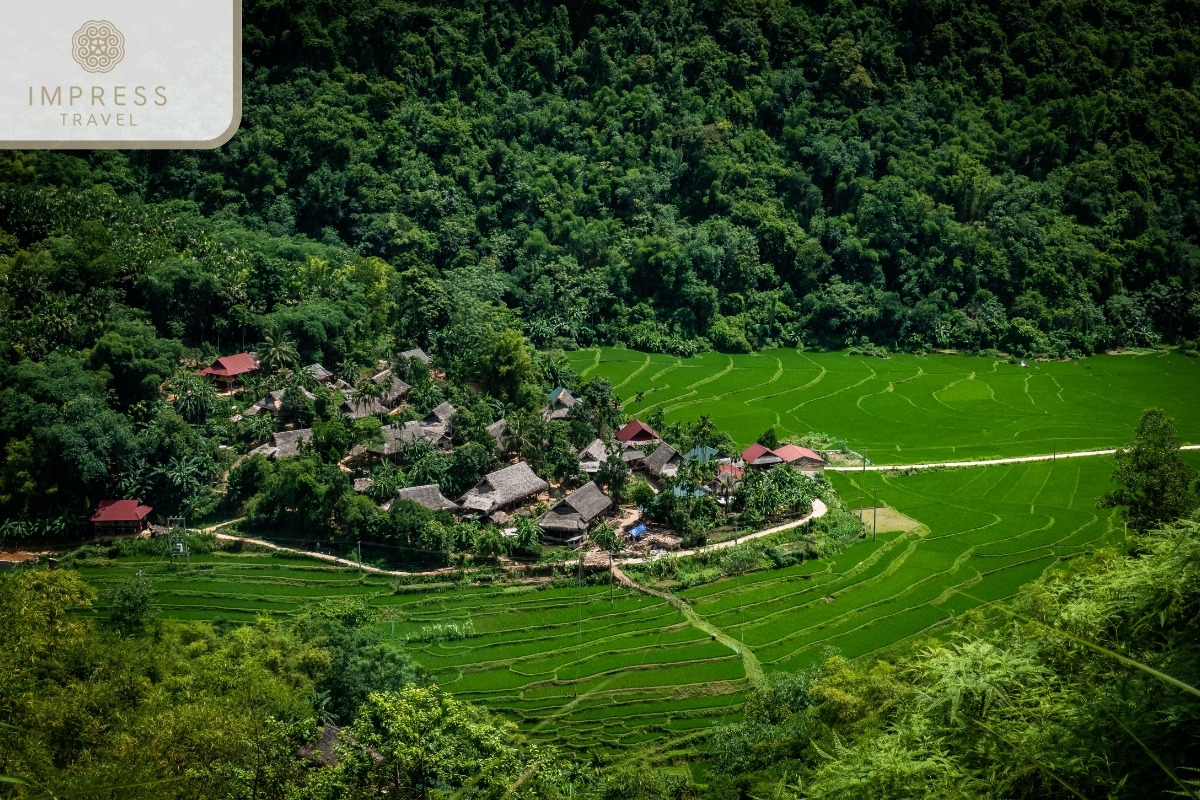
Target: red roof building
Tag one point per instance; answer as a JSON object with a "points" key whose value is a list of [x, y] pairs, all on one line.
{"points": [[757, 455], [736, 472], [637, 432], [120, 516], [227, 369]]}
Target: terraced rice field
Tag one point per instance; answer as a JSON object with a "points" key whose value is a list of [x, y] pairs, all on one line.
{"points": [[986, 531], [564, 663], [573, 669], [906, 408]]}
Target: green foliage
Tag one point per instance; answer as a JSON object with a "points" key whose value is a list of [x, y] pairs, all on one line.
{"points": [[1156, 484], [129, 605]]}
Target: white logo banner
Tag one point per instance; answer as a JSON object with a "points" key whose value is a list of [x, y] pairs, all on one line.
{"points": [[120, 73]]}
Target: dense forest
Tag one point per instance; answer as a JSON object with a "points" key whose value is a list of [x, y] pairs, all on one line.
{"points": [[670, 176], [497, 182]]}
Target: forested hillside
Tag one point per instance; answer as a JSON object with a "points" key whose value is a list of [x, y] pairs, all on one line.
{"points": [[676, 175]]}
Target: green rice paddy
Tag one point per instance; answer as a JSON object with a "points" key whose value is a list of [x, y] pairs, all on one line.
{"points": [[986, 531], [906, 408]]}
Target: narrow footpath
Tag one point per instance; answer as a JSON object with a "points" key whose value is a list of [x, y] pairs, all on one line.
{"points": [[985, 463], [819, 509], [754, 671]]}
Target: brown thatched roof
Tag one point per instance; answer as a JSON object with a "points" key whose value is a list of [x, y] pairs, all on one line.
{"points": [[497, 430], [574, 514], [273, 403], [284, 444], [429, 496], [664, 460], [362, 484], [395, 438], [440, 415], [417, 352], [559, 404], [593, 456], [504, 487], [319, 372]]}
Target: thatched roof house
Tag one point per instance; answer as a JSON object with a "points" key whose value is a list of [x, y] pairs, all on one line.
{"points": [[593, 456], [396, 437], [558, 404], [663, 462], [283, 444], [571, 517], [391, 398], [429, 496], [417, 353], [440, 415], [319, 372], [503, 488], [273, 403], [362, 484], [498, 431]]}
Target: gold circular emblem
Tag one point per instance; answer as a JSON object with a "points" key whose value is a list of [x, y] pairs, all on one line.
{"points": [[98, 46]]}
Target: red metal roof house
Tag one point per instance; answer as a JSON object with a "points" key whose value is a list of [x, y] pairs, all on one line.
{"points": [[120, 516], [801, 458], [637, 432], [757, 455], [228, 369]]}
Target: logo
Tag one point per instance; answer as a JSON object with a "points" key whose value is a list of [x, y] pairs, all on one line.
{"points": [[98, 46]]}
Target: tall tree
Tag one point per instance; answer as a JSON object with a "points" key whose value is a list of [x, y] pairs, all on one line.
{"points": [[1155, 484]]}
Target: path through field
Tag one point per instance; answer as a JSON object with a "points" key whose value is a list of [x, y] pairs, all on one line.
{"points": [[909, 409]]}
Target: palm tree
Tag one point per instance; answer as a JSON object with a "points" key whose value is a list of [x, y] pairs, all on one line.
{"points": [[194, 397], [277, 351], [367, 391], [524, 433]]}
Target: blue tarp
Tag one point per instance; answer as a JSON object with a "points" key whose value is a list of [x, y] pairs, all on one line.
{"points": [[638, 531]]}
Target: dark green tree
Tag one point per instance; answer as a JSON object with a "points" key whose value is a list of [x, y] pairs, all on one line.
{"points": [[1155, 484]]}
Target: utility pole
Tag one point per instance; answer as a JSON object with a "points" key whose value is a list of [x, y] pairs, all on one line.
{"points": [[610, 579], [861, 500], [874, 512], [360, 569]]}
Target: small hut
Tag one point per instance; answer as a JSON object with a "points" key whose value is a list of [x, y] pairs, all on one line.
{"points": [[571, 518], [503, 489], [663, 462], [117, 517]]}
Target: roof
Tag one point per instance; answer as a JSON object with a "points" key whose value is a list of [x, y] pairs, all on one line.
{"points": [[120, 511], [417, 352], [679, 491], [758, 455], [429, 496], [319, 372], [701, 453], [502, 487], [663, 461], [594, 454], [228, 366], [558, 404], [636, 431], [497, 429], [394, 394], [273, 402], [440, 415], [284, 444], [395, 438], [362, 484], [729, 469], [575, 512], [790, 453]]}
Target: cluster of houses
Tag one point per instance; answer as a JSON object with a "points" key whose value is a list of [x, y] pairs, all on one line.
{"points": [[500, 494]]}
